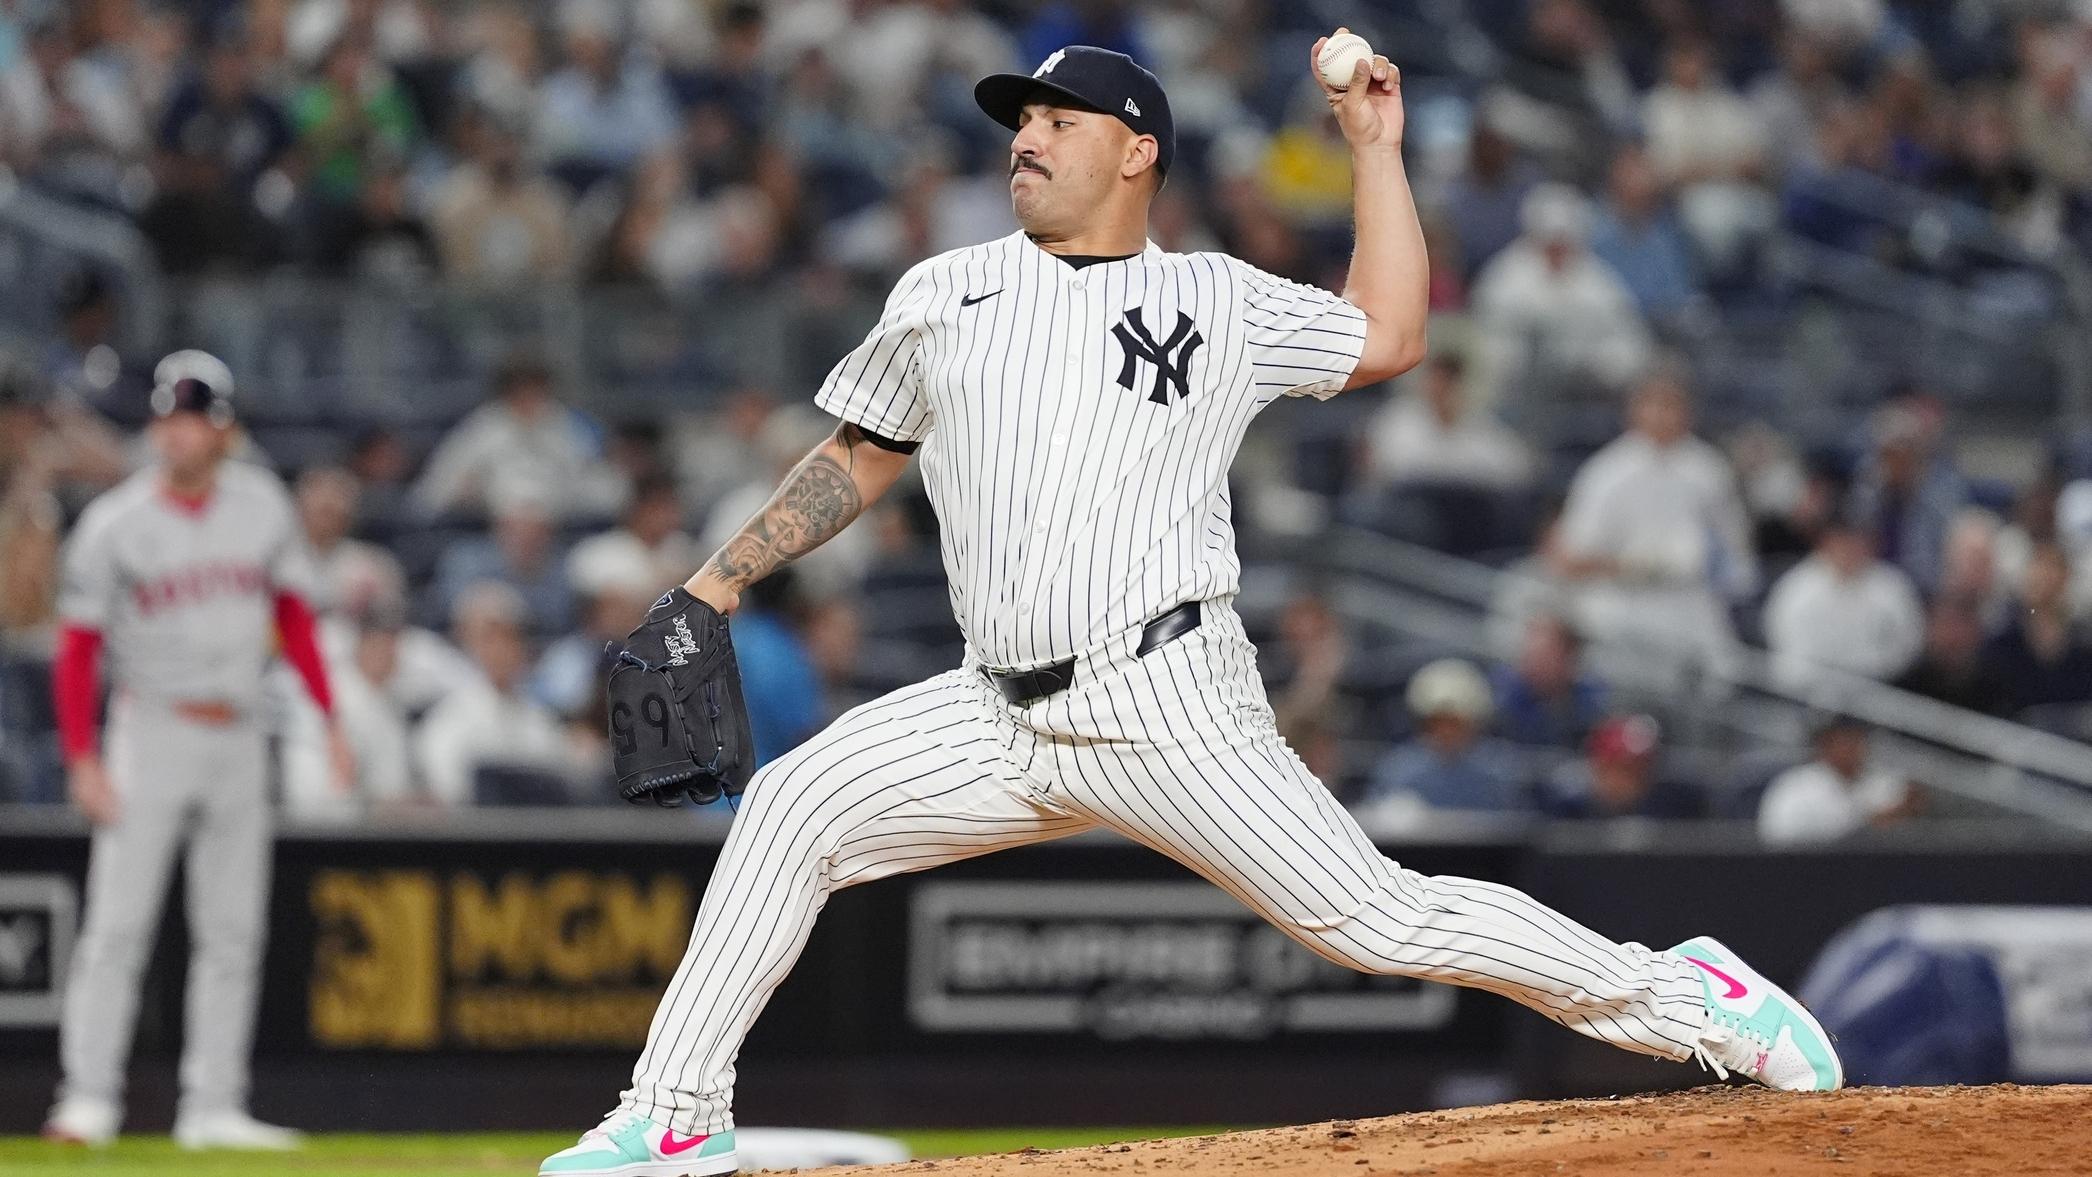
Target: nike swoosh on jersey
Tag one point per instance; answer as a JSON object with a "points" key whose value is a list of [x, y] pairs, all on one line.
{"points": [[967, 300]]}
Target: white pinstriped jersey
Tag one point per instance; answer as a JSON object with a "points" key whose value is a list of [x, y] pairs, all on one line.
{"points": [[1076, 428], [1078, 425], [186, 596]]}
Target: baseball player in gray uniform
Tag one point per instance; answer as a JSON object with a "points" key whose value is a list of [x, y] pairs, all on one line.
{"points": [[191, 576], [1077, 395]]}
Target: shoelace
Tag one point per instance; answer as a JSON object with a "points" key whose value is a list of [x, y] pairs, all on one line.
{"points": [[1720, 1036], [614, 1120]]}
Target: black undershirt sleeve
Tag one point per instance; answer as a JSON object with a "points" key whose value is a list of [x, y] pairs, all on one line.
{"points": [[890, 445], [850, 434]]}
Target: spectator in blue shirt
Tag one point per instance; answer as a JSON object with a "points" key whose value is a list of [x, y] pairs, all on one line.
{"points": [[777, 673], [1451, 764], [1107, 26], [1621, 775], [523, 553], [1636, 235], [604, 111], [1484, 203], [1908, 491], [2040, 657], [1544, 699]]}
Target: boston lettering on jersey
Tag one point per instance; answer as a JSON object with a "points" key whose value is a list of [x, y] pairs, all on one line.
{"points": [[196, 583], [184, 598]]}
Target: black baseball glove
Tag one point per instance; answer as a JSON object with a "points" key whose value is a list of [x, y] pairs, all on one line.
{"points": [[678, 724]]}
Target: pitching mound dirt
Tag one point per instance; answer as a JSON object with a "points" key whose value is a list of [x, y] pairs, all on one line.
{"points": [[1715, 1131]]}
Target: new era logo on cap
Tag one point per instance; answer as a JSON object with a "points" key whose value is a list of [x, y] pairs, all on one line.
{"points": [[1132, 109]]}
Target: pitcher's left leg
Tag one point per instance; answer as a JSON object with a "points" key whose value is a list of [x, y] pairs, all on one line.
{"points": [[1208, 782]]}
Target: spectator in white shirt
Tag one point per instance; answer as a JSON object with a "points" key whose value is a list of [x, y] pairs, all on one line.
{"points": [[651, 540], [718, 452], [1969, 561], [493, 722], [606, 109], [1844, 609], [1793, 101], [423, 666], [1548, 308], [1431, 434], [327, 504], [375, 724], [1654, 535], [622, 585], [1708, 143], [1833, 795], [524, 440], [497, 224], [917, 45]]}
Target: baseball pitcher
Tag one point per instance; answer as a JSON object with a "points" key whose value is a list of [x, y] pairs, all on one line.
{"points": [[189, 577], [1076, 396]]}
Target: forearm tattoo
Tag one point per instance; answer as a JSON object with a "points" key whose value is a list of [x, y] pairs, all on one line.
{"points": [[814, 502]]}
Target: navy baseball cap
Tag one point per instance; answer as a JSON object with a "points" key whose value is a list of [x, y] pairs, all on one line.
{"points": [[1099, 79]]}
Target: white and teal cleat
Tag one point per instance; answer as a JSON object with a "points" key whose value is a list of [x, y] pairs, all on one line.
{"points": [[1755, 1028], [627, 1144]]}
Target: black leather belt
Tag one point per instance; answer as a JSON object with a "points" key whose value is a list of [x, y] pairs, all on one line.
{"points": [[1028, 686]]}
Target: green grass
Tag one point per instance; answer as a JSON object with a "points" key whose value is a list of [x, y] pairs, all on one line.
{"points": [[362, 1155]]}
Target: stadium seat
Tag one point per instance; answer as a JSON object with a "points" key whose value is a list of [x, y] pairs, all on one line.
{"points": [[504, 785]]}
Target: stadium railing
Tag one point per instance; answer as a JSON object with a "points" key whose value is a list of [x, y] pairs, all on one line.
{"points": [[1740, 704]]}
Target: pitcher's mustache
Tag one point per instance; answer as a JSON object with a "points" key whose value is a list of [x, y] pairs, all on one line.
{"points": [[1027, 164]]}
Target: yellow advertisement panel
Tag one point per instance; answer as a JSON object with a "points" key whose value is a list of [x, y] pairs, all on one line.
{"points": [[424, 959]]}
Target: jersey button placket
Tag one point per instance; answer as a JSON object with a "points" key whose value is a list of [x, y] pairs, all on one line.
{"points": [[1077, 286], [1037, 565], [1071, 381]]}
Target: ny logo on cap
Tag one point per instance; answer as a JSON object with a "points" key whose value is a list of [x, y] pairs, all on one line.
{"points": [[1046, 66]]}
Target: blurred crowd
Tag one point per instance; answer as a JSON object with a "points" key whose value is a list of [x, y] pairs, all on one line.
{"points": [[1883, 564], [466, 599], [1600, 180], [1616, 161]]}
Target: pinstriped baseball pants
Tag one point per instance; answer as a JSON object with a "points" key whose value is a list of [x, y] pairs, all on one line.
{"points": [[1176, 751]]}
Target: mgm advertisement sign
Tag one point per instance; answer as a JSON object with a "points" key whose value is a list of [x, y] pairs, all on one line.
{"points": [[418, 959]]}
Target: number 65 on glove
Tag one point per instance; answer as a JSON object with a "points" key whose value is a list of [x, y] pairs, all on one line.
{"points": [[678, 723]]}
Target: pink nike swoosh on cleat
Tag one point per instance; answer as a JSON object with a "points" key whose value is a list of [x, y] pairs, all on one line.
{"points": [[1736, 988], [670, 1146]]}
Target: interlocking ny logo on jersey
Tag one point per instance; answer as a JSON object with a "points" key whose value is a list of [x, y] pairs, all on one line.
{"points": [[1133, 336]]}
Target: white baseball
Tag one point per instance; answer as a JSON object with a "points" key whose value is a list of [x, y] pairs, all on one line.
{"points": [[1340, 56]]}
